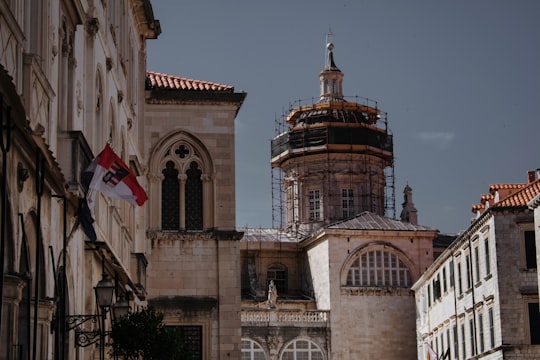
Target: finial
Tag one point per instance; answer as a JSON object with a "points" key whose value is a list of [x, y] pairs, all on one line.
{"points": [[329, 46]]}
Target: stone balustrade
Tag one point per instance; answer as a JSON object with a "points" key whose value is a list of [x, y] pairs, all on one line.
{"points": [[277, 317]]}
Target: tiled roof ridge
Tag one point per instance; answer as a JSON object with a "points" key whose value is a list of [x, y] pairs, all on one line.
{"points": [[522, 196], [495, 187], [172, 82]]}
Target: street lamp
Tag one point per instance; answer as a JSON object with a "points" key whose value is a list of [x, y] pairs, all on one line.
{"points": [[104, 298], [120, 308], [104, 291]]}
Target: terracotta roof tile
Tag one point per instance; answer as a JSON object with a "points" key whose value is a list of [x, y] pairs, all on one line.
{"points": [[495, 187], [169, 82], [486, 197], [521, 197]]}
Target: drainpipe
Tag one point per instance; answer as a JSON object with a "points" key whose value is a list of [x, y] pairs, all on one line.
{"points": [[40, 177], [5, 147]]}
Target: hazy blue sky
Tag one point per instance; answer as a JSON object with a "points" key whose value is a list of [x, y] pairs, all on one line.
{"points": [[460, 81]]}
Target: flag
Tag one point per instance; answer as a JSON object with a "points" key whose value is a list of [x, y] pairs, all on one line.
{"points": [[112, 177], [430, 353], [86, 220]]}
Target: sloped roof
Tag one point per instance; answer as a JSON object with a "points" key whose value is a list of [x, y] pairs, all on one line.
{"points": [[521, 197], [266, 235], [161, 81], [371, 221]]}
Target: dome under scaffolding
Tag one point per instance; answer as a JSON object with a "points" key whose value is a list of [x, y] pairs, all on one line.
{"points": [[332, 158]]}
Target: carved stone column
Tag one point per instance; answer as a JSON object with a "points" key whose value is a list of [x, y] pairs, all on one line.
{"points": [[182, 178]]}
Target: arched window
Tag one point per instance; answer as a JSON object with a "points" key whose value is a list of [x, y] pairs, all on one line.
{"points": [[278, 273], [302, 350], [378, 268], [185, 179], [252, 350]]}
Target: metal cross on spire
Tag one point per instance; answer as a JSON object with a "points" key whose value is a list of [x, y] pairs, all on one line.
{"points": [[329, 46]]}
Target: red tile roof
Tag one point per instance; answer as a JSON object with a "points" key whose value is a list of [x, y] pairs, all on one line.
{"points": [[522, 196], [495, 187], [169, 82], [506, 195]]}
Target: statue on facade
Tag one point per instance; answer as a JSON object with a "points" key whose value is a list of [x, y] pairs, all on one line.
{"points": [[272, 295]]}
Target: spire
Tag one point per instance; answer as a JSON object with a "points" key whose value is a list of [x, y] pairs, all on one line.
{"points": [[331, 78], [409, 213]]}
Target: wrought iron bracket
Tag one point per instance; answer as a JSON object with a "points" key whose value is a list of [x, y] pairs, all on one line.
{"points": [[75, 321]]}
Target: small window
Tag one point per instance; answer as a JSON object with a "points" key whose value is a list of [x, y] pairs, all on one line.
{"points": [[451, 271], [436, 288], [444, 279], [314, 205], [491, 328], [468, 268], [347, 203], [463, 343], [456, 344], [477, 263], [193, 339], [471, 337], [460, 287], [278, 273], [534, 323], [530, 249], [481, 332], [488, 260]]}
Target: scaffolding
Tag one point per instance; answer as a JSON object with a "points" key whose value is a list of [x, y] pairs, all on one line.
{"points": [[334, 143]]}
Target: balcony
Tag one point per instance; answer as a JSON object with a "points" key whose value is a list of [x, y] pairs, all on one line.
{"points": [[279, 318]]}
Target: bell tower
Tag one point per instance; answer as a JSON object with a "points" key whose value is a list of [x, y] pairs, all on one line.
{"points": [[334, 157]]}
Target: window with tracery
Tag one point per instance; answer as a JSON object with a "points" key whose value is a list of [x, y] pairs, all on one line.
{"points": [[252, 350], [182, 189], [302, 350], [378, 268]]}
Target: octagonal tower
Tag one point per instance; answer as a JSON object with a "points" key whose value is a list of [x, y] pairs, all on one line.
{"points": [[334, 160]]}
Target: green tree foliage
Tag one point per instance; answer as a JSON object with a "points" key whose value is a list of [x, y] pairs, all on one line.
{"points": [[142, 335]]}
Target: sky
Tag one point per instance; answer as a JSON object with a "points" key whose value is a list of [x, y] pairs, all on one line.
{"points": [[460, 81]]}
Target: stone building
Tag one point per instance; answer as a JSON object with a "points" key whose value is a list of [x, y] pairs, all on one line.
{"points": [[71, 80], [342, 269], [479, 299], [193, 248]]}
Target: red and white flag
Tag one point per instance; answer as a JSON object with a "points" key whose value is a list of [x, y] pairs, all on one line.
{"points": [[430, 353], [114, 178]]}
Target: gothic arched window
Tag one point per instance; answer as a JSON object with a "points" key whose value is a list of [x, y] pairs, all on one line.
{"points": [[184, 170], [378, 268]]}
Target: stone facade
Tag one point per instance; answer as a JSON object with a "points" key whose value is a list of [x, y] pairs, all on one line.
{"points": [[71, 80], [480, 297], [194, 264]]}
